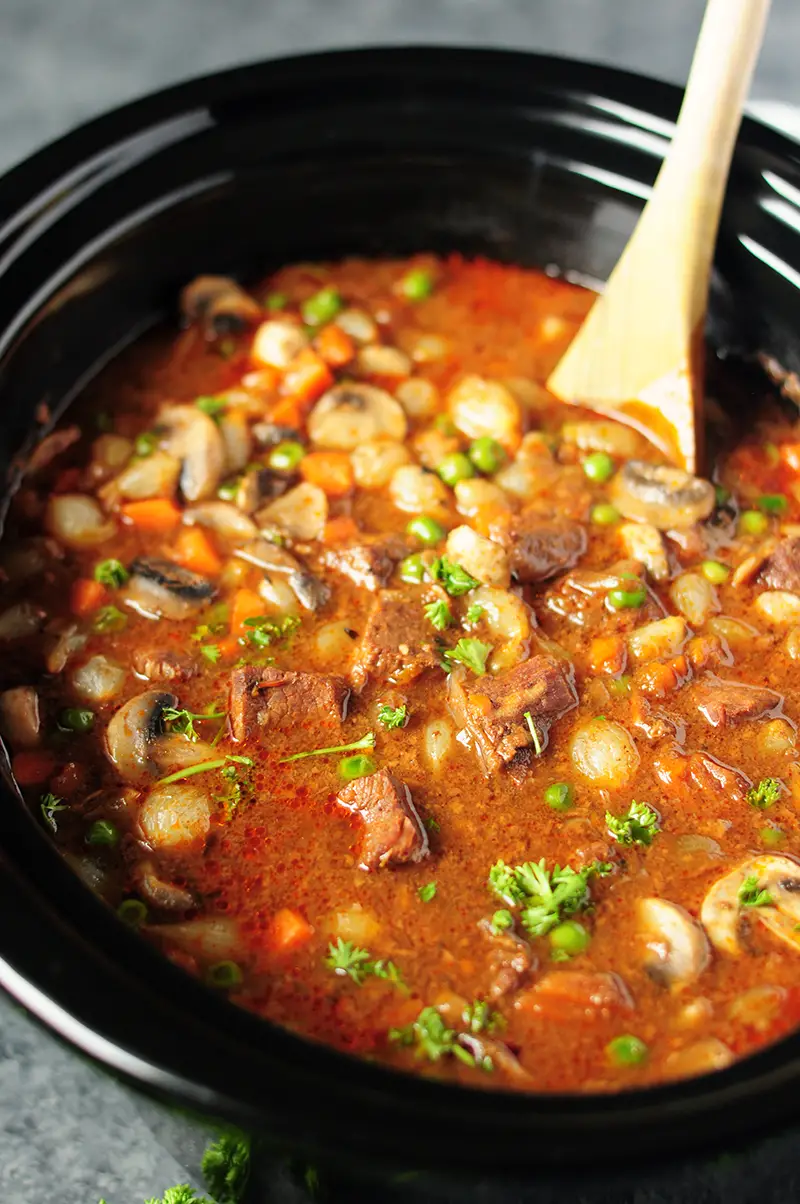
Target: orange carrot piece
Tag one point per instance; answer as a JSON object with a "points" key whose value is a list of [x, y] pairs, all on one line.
{"points": [[195, 551], [157, 514], [287, 412], [33, 768], [307, 377], [86, 596], [607, 654], [247, 604], [340, 529], [335, 347], [332, 471], [288, 930]]}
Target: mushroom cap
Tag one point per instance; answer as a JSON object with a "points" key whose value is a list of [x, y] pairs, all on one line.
{"points": [[133, 731], [663, 496], [676, 947], [721, 912]]}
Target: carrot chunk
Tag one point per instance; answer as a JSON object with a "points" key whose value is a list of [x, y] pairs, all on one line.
{"points": [[33, 768], [247, 604], [307, 377], [340, 529], [86, 596], [607, 654], [330, 470], [288, 930], [157, 514], [195, 551], [335, 347]]}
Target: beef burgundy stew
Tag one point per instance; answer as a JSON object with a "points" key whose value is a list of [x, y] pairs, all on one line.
{"points": [[417, 712]]}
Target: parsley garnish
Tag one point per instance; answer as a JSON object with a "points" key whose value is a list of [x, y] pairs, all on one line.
{"points": [[543, 896], [109, 618], [367, 741], [453, 577], [212, 652], [537, 743], [50, 804], [432, 824], [438, 614], [502, 920], [767, 792], [346, 959], [261, 631], [216, 623], [213, 406], [750, 894], [639, 826], [184, 1194], [427, 892], [433, 1040], [474, 612], [111, 573], [479, 1018], [183, 721], [204, 767], [226, 1166], [472, 653], [392, 717]]}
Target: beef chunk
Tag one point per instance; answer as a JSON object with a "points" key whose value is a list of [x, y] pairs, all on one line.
{"points": [[541, 548], [722, 702], [492, 711], [393, 832], [278, 700], [510, 963], [368, 564], [165, 664], [781, 570], [398, 641]]}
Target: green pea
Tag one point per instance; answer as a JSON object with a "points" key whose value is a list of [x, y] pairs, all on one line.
{"points": [[76, 719], [133, 912], [773, 503], [358, 766], [454, 468], [487, 454], [412, 569], [224, 975], [753, 522], [605, 515], [102, 832], [570, 938], [715, 572], [417, 284], [627, 1050], [426, 529], [276, 301], [772, 837], [285, 457], [598, 467], [146, 443], [559, 795], [627, 599], [322, 307]]}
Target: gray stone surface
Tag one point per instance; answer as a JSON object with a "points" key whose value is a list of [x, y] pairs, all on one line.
{"points": [[66, 1133]]}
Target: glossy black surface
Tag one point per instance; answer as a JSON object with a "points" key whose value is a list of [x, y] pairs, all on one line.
{"points": [[530, 159]]}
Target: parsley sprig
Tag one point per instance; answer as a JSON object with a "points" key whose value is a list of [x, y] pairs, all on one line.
{"points": [[347, 959], [455, 579], [226, 1166], [432, 1039], [765, 794], [479, 1018], [367, 741], [263, 631], [51, 804], [638, 826], [438, 614], [392, 717], [183, 721], [544, 897], [752, 895], [469, 652]]}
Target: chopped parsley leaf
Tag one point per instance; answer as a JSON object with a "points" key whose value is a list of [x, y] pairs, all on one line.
{"points": [[109, 618], [204, 767], [432, 824], [427, 892], [474, 612], [502, 920], [213, 406], [367, 741], [453, 577], [50, 805], [472, 653], [767, 792], [544, 896], [226, 1166], [438, 614], [639, 826], [751, 895], [262, 631], [392, 717], [432, 1039], [347, 959], [216, 623], [537, 743], [479, 1018], [183, 721], [212, 652], [111, 573]]}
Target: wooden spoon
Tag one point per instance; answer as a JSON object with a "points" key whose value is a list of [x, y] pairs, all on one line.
{"points": [[639, 352]]}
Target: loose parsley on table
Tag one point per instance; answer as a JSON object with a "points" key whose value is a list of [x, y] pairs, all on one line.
{"points": [[226, 1166], [638, 826], [544, 896], [767, 792], [751, 894], [392, 717]]}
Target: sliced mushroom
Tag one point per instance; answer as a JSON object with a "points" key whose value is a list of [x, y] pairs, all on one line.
{"points": [[160, 893], [277, 342], [220, 304], [645, 542], [301, 513], [161, 589], [666, 497], [21, 620], [722, 911], [69, 639], [133, 732], [223, 518], [310, 592], [195, 439], [164, 664], [257, 487], [237, 440], [351, 413], [20, 721], [269, 434], [676, 947]]}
